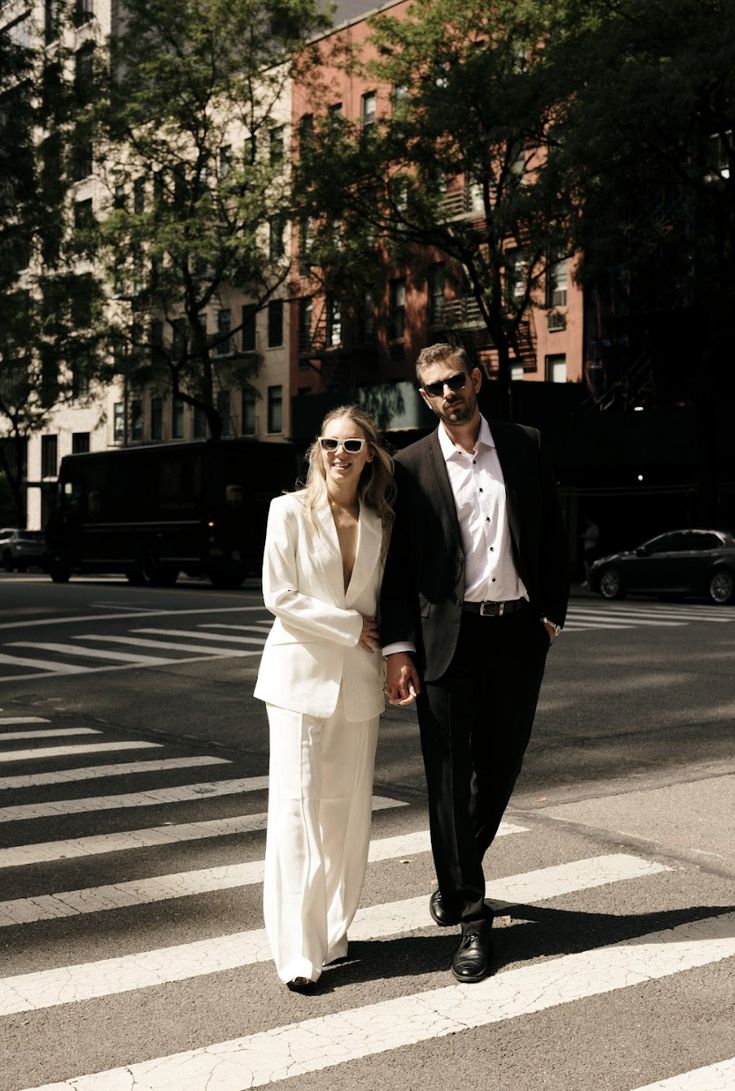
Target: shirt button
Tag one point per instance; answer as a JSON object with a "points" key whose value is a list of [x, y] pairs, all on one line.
{"points": [[479, 490], [487, 518], [492, 548], [493, 579]]}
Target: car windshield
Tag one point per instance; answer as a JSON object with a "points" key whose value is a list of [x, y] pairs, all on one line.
{"points": [[30, 535]]}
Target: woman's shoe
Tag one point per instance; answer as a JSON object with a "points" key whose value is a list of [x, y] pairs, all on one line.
{"points": [[301, 985]]}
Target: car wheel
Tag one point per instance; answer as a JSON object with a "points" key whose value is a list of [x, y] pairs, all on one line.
{"points": [[8, 564], [59, 573], [721, 586], [226, 581], [611, 584]]}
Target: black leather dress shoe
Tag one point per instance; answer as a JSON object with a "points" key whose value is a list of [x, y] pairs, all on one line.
{"points": [[301, 985], [439, 911], [472, 960]]}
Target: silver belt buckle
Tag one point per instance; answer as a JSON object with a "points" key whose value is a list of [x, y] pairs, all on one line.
{"points": [[494, 609]]}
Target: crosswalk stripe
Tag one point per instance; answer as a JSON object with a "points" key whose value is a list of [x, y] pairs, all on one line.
{"points": [[45, 664], [154, 797], [204, 636], [145, 969], [140, 642], [572, 627], [6, 720], [69, 751], [650, 611], [55, 733], [264, 629], [69, 903], [98, 772], [603, 615], [95, 844], [92, 653], [324, 1041], [714, 1077]]}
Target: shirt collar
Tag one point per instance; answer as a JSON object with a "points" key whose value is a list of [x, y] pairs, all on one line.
{"points": [[449, 447]]}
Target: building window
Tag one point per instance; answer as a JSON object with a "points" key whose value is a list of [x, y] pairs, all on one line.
{"points": [[223, 408], [276, 238], [177, 419], [436, 294], [178, 342], [556, 368], [225, 161], [249, 312], [399, 101], [334, 322], [335, 112], [275, 323], [83, 214], [517, 275], [397, 315], [305, 316], [248, 419], [275, 408], [367, 318], [222, 339], [51, 19], [557, 282], [139, 196], [84, 74], [306, 131], [83, 11], [276, 145], [49, 456], [118, 422], [80, 377], [136, 419], [157, 418], [368, 109], [79, 443], [199, 423], [81, 163]]}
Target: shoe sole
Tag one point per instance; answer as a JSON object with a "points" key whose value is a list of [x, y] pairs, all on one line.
{"points": [[464, 979]]}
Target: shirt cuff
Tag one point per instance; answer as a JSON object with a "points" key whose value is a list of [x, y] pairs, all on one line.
{"points": [[399, 646]]}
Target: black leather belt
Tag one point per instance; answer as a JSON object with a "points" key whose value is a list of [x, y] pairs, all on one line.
{"points": [[494, 609]]}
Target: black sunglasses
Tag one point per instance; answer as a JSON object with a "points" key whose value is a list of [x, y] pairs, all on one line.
{"points": [[454, 382], [351, 446]]}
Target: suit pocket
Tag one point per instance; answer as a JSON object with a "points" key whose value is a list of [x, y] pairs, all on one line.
{"points": [[424, 606]]}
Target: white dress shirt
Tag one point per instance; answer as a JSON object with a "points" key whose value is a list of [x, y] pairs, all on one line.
{"points": [[478, 486]]}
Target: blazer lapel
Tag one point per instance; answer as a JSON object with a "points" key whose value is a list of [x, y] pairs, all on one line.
{"points": [[447, 506], [329, 555], [509, 466], [367, 558]]}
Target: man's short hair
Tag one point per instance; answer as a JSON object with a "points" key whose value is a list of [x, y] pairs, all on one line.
{"points": [[439, 353]]}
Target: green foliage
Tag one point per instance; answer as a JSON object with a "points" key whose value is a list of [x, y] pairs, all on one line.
{"points": [[460, 165], [192, 126]]}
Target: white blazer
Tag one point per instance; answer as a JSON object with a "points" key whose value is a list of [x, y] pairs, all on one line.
{"points": [[312, 648]]}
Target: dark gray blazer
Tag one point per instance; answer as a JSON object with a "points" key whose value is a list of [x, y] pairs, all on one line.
{"points": [[423, 585]]}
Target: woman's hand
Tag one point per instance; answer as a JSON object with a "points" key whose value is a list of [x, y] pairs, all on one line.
{"points": [[369, 637], [402, 679]]}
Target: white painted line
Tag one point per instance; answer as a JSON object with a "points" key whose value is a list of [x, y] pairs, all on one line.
{"points": [[141, 613], [97, 772], [144, 969], [45, 852], [69, 903], [316, 1044], [571, 628], [72, 751], [41, 664], [161, 645], [23, 720], [189, 635], [604, 615], [715, 1077], [265, 628], [184, 793], [55, 733], [683, 613], [92, 653]]}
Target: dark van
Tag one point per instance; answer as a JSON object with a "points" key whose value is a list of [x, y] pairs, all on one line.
{"points": [[155, 511]]}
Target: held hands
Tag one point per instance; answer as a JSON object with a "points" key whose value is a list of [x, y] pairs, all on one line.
{"points": [[369, 637], [402, 679]]}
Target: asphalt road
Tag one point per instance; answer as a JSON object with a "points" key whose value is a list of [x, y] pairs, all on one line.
{"points": [[132, 800]]}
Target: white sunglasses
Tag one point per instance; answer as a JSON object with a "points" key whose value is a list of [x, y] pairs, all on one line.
{"points": [[351, 446]]}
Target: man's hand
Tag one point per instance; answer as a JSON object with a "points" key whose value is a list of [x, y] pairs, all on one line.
{"points": [[369, 639], [402, 680], [550, 630]]}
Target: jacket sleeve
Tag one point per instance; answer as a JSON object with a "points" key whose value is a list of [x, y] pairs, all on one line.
{"points": [[316, 618], [554, 591], [398, 600]]}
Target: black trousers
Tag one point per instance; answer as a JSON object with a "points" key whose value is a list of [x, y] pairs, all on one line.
{"points": [[475, 723]]}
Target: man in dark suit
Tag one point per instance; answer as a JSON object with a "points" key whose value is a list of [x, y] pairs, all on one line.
{"points": [[475, 591]]}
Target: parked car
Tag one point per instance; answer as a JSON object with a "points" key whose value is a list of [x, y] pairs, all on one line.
{"points": [[21, 548], [686, 562]]}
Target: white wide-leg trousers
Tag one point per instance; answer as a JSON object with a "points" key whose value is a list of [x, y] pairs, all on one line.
{"points": [[319, 814]]}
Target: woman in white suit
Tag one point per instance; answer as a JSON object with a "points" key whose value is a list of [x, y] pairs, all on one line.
{"points": [[321, 677]]}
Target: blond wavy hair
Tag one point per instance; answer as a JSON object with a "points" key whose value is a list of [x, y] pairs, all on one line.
{"points": [[376, 488]]}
